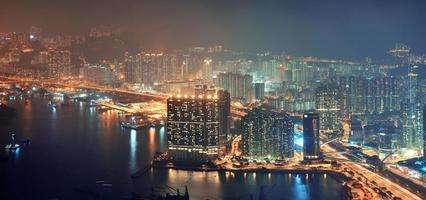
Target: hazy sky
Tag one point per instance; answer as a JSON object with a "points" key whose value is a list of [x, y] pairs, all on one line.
{"points": [[340, 28]]}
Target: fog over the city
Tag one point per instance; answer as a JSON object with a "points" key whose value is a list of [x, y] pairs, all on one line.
{"points": [[342, 29]]}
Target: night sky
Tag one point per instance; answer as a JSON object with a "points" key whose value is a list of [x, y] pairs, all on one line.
{"points": [[342, 29]]}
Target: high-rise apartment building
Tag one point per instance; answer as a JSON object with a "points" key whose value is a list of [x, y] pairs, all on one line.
{"points": [[259, 91], [267, 134], [196, 124], [311, 140], [370, 95], [412, 125], [238, 85], [98, 74], [413, 85], [412, 114], [328, 102], [424, 134], [58, 62], [149, 69]]}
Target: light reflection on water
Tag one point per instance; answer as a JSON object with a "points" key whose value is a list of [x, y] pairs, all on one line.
{"points": [[300, 189], [162, 135], [240, 185], [133, 149], [151, 136], [76, 145]]}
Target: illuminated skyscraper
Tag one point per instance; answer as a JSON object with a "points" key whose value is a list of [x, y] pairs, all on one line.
{"points": [[239, 86], [224, 103], [58, 62], [328, 102], [195, 125], [424, 134], [311, 140], [259, 91], [99, 74], [382, 94], [372, 95], [411, 115], [148, 69], [413, 86], [224, 112], [207, 70], [412, 125], [129, 70], [171, 67], [268, 134]]}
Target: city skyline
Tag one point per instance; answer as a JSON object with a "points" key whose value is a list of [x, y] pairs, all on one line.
{"points": [[332, 29], [220, 99]]}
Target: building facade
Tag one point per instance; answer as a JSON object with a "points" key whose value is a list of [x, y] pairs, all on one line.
{"points": [[328, 102], [311, 139], [412, 125], [99, 74], [239, 86], [195, 126], [424, 135], [267, 134], [370, 95], [259, 91]]}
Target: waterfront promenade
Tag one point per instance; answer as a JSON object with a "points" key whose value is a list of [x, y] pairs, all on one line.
{"points": [[357, 181]]}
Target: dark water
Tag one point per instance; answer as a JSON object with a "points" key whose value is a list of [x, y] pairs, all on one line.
{"points": [[74, 146]]}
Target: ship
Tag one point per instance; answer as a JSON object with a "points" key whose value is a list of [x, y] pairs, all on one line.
{"points": [[12, 145], [139, 120]]}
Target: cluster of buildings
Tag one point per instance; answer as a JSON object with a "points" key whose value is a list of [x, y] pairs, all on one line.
{"points": [[198, 129], [361, 102], [34, 54]]}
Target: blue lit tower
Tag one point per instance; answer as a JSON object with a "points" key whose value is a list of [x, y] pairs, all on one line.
{"points": [[311, 142]]}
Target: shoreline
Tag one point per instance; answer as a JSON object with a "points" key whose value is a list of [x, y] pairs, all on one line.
{"points": [[339, 176]]}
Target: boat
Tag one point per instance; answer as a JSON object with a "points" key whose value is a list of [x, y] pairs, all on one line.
{"points": [[133, 125], [102, 108], [52, 104], [140, 120], [134, 121], [12, 145]]}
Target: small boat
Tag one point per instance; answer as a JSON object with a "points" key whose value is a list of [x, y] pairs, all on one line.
{"points": [[107, 185], [132, 125], [12, 147], [139, 120], [100, 182], [102, 109]]}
